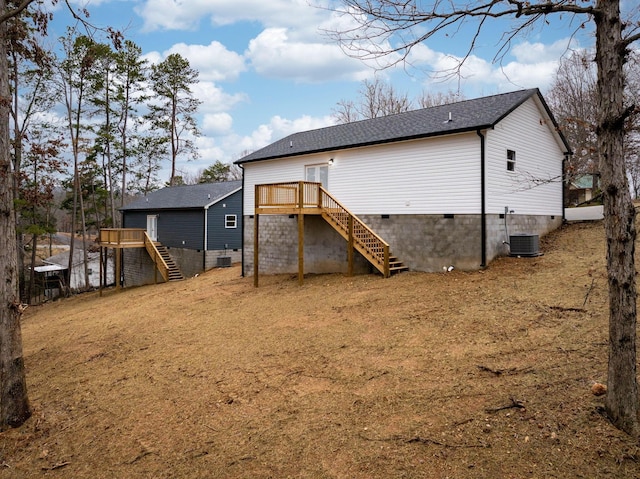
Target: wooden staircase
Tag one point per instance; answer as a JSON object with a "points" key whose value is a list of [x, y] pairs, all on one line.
{"points": [[359, 236], [163, 260], [307, 198], [173, 272]]}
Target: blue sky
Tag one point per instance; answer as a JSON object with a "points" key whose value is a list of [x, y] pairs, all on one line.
{"points": [[266, 69]]}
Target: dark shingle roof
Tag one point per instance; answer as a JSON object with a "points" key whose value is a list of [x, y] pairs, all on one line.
{"points": [[468, 115], [187, 196]]}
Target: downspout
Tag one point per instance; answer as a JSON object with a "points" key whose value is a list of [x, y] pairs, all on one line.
{"points": [[243, 222], [206, 238], [483, 203], [564, 183]]}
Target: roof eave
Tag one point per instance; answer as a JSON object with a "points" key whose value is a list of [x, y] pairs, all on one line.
{"points": [[373, 143], [220, 198]]}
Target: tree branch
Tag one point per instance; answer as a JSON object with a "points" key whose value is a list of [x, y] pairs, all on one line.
{"points": [[378, 22], [630, 39], [15, 12]]}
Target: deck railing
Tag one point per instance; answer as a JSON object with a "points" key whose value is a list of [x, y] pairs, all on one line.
{"points": [[297, 195], [121, 236], [294, 194], [364, 238], [156, 256]]}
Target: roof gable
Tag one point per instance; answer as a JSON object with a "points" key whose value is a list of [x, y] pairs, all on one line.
{"points": [[468, 115], [187, 196]]}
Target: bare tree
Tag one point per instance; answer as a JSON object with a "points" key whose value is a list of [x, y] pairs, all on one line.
{"points": [[377, 98], [632, 145], [14, 402], [391, 28], [428, 99], [573, 99]]}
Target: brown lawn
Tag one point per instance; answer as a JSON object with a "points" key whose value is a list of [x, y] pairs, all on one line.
{"points": [[449, 375]]}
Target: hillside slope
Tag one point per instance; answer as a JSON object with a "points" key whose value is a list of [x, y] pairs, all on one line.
{"points": [[464, 375]]}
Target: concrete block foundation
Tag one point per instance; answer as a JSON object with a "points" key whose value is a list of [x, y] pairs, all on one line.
{"points": [[426, 243]]}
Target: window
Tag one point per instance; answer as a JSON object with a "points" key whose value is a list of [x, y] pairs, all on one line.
{"points": [[318, 174], [511, 160], [230, 221]]}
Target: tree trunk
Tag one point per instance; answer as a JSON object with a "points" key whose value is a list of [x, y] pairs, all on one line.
{"points": [[17, 163], [619, 221], [32, 272], [14, 404]]}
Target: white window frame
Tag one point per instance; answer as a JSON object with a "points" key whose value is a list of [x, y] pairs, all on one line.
{"points": [[317, 168], [511, 160], [230, 221]]}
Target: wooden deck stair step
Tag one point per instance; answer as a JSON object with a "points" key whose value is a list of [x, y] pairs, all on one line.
{"points": [[396, 265], [174, 272]]}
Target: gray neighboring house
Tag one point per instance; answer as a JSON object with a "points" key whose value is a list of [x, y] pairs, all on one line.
{"points": [[200, 226], [451, 185]]}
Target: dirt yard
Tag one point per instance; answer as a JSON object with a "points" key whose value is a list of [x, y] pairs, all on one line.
{"points": [[449, 375]]}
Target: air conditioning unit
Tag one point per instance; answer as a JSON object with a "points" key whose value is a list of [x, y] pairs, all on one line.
{"points": [[223, 261], [524, 245]]}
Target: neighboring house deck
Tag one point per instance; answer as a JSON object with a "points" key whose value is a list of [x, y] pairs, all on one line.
{"points": [[178, 231]]}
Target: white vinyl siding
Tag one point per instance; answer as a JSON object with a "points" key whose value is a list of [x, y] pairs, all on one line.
{"points": [[439, 175], [534, 187], [429, 176]]}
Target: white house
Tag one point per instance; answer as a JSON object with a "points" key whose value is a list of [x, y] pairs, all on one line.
{"points": [[444, 186]]}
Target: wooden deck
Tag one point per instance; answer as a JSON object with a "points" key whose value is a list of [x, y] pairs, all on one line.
{"points": [[306, 198], [122, 237], [119, 238]]}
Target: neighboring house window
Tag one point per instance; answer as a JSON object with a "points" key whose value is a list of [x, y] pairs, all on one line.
{"points": [[318, 174], [230, 221], [511, 160]]}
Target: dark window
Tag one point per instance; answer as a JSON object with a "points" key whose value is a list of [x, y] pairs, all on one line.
{"points": [[511, 160]]}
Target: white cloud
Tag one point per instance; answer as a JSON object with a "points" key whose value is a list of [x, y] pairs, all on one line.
{"points": [[532, 53], [534, 66], [216, 124], [213, 61], [532, 75], [210, 152], [272, 53], [291, 46], [214, 99], [179, 15], [277, 128]]}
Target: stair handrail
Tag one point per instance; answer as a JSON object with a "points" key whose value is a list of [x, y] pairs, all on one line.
{"points": [[363, 236], [157, 258]]}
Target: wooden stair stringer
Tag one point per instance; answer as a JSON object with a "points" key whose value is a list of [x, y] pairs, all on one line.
{"points": [[163, 260], [395, 265], [173, 272]]}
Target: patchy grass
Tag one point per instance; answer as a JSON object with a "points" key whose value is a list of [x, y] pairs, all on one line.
{"points": [[461, 375]]}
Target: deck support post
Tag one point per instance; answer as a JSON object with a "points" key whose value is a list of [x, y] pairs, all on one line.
{"points": [[300, 233], [117, 265], [350, 246], [387, 273], [256, 255], [155, 269], [100, 288]]}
